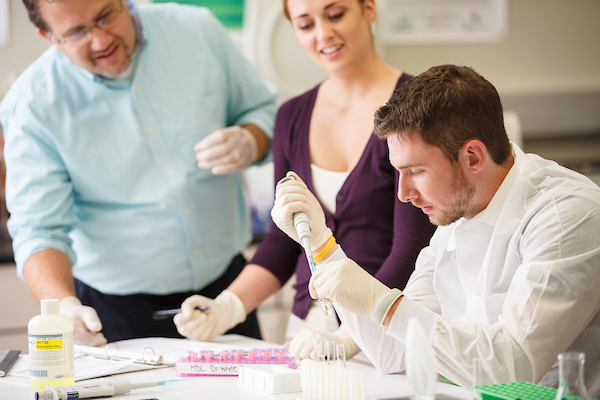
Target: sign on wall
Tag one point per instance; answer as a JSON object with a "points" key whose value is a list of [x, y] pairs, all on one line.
{"points": [[443, 21]]}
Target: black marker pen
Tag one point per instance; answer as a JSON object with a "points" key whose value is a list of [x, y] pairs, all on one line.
{"points": [[164, 314]]}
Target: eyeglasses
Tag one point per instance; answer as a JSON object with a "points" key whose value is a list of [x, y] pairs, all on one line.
{"points": [[83, 35]]}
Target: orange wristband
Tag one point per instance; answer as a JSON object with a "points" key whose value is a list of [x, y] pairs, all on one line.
{"points": [[325, 250]]}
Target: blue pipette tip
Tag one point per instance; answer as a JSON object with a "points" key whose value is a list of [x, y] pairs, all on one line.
{"points": [[313, 268], [169, 382], [311, 264]]}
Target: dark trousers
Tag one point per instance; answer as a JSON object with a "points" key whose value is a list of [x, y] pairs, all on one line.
{"points": [[129, 317]]}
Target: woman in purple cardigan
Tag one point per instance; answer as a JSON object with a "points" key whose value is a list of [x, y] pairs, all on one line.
{"points": [[325, 136]]}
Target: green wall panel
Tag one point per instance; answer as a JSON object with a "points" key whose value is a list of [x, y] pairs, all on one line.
{"points": [[230, 12]]}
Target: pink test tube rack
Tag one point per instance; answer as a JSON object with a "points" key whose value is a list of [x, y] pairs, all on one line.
{"points": [[228, 362]]}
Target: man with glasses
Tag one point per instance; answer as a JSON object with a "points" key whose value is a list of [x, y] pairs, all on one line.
{"points": [[104, 136]]}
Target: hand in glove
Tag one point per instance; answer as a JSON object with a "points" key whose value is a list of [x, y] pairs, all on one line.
{"points": [[291, 196], [344, 282], [227, 150], [226, 311], [304, 344], [86, 324]]}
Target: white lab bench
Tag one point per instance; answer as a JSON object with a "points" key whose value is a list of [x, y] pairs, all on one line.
{"points": [[378, 386]]}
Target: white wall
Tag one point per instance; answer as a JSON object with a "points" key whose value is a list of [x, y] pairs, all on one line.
{"points": [[17, 307], [23, 48], [552, 46]]}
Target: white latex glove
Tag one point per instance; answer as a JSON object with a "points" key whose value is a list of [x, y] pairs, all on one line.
{"points": [[86, 324], [227, 150], [344, 282], [293, 196], [304, 344], [226, 311]]}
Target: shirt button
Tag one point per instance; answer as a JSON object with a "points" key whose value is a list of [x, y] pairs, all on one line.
{"points": [[171, 172], [189, 211], [339, 197], [195, 252], [150, 130]]}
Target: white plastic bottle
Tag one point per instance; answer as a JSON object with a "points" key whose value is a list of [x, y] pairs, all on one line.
{"points": [[50, 348]]}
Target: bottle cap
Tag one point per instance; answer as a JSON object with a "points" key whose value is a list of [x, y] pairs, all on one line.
{"points": [[49, 306]]}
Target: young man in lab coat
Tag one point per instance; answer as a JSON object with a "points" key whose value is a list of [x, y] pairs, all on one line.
{"points": [[104, 136], [512, 274]]}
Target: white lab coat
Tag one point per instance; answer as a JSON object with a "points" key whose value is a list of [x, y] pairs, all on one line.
{"points": [[514, 286]]}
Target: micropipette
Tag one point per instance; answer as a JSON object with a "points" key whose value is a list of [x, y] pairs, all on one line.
{"points": [[302, 224], [99, 389]]}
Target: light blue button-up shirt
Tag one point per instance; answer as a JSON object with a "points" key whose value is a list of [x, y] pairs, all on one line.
{"points": [[105, 171]]}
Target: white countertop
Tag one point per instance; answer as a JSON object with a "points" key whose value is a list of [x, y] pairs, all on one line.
{"points": [[378, 386]]}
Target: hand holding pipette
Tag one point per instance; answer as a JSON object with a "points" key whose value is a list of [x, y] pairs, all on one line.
{"points": [[347, 284], [291, 197], [299, 215]]}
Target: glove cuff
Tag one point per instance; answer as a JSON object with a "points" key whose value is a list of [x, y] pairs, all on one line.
{"points": [[322, 239], [69, 299], [337, 255], [233, 305], [384, 304], [253, 142]]}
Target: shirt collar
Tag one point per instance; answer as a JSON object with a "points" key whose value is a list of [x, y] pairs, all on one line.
{"points": [[133, 11], [127, 75]]}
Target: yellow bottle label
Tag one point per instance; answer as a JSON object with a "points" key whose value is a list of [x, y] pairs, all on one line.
{"points": [[48, 344], [51, 360]]}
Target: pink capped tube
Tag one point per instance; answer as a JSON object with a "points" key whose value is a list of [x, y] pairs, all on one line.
{"points": [[224, 355], [237, 356], [280, 357], [252, 357], [266, 356], [208, 356]]}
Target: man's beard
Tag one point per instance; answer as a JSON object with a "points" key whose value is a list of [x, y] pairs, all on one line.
{"points": [[458, 207]]}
